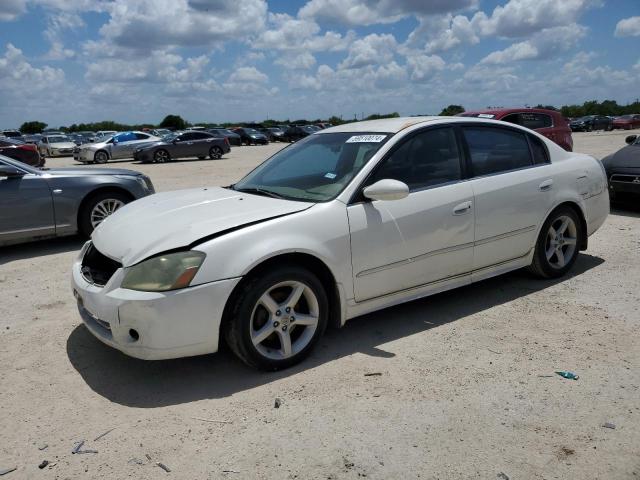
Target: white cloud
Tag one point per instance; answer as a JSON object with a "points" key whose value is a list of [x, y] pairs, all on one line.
{"points": [[285, 32], [296, 61], [424, 67], [370, 12], [16, 73], [373, 49], [12, 9], [248, 75], [542, 45], [56, 25], [149, 24], [628, 27]]}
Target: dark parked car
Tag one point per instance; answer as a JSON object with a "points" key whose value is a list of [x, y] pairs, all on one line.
{"points": [[250, 136], [233, 138], [191, 143], [623, 170], [19, 150], [590, 123], [12, 134], [627, 122], [36, 204], [273, 134], [549, 123], [296, 132], [35, 138]]}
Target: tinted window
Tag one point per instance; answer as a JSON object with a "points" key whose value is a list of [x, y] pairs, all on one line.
{"points": [[125, 137], [200, 135], [539, 150], [141, 136], [187, 136], [428, 158], [529, 120], [495, 150]]}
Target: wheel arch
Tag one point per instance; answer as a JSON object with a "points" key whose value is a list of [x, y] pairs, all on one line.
{"points": [[305, 260], [97, 191], [104, 150], [577, 208]]}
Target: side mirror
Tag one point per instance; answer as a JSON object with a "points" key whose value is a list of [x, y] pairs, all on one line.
{"points": [[10, 172], [175, 140], [386, 189], [630, 139]]}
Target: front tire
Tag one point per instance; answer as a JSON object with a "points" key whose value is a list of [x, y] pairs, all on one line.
{"points": [[558, 244], [161, 156], [98, 208], [101, 157], [277, 318]]}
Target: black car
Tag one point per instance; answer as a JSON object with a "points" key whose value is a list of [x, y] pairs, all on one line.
{"points": [[296, 132], [590, 123], [191, 143], [233, 138], [19, 150], [623, 170], [273, 134], [250, 136]]}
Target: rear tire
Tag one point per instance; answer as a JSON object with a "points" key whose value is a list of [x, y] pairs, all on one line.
{"points": [[215, 153], [558, 244], [277, 317]]}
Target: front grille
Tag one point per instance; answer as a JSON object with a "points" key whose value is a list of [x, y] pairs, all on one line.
{"points": [[97, 268], [625, 178]]}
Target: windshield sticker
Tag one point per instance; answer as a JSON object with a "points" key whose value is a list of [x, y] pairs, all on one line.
{"points": [[366, 139], [486, 115], [330, 175]]}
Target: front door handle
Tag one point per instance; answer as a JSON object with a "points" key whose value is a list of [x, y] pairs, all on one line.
{"points": [[546, 185], [462, 208]]}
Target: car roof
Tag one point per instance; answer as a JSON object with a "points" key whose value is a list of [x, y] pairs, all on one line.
{"points": [[504, 111], [387, 125]]}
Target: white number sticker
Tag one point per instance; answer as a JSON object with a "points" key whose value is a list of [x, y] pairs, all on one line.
{"points": [[366, 139]]}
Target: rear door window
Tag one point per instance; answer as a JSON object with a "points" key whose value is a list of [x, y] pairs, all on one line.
{"points": [[495, 150]]}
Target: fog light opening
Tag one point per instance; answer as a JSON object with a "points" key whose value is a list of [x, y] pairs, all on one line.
{"points": [[134, 334]]}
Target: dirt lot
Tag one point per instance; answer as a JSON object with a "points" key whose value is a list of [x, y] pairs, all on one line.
{"points": [[466, 385]]}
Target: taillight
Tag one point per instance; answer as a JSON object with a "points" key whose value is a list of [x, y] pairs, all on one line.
{"points": [[226, 140]]}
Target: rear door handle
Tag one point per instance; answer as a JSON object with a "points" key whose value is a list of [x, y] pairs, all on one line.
{"points": [[462, 208], [546, 185]]}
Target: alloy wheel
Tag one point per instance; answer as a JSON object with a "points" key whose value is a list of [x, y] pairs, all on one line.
{"points": [[561, 242], [284, 320], [161, 156], [103, 209]]}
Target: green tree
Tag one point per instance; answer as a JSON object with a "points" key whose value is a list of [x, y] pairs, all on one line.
{"points": [[33, 127], [173, 121], [452, 110]]}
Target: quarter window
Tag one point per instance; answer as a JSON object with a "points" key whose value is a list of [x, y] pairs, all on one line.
{"points": [[429, 158], [495, 150], [539, 151]]}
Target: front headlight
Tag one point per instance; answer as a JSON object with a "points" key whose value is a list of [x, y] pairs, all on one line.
{"points": [[164, 272]]}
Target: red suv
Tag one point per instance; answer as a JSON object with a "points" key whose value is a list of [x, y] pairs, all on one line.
{"points": [[549, 123]]}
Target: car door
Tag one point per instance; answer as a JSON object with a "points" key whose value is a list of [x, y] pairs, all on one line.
{"points": [[201, 144], [26, 205], [424, 238], [122, 145], [512, 191], [186, 144]]}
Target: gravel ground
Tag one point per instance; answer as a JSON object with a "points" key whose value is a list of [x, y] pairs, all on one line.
{"points": [[464, 383]]}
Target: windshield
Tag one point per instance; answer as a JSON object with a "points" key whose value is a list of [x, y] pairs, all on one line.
{"points": [[582, 119], [314, 169], [58, 139], [251, 130], [170, 137]]}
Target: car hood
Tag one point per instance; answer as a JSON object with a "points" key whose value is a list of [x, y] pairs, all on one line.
{"points": [[627, 157], [62, 145], [79, 172], [177, 219]]}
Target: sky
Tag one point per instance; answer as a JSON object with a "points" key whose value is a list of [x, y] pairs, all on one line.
{"points": [[135, 61]]}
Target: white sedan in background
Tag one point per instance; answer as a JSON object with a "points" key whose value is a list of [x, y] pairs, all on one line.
{"points": [[349, 220]]}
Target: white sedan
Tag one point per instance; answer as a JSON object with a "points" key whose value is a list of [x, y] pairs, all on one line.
{"points": [[349, 220]]}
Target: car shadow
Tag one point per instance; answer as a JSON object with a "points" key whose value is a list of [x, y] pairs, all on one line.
{"points": [[41, 248], [149, 384], [626, 209]]}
